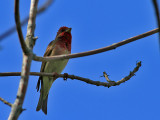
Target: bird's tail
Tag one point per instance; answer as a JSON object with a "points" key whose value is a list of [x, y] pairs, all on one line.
{"points": [[42, 103]]}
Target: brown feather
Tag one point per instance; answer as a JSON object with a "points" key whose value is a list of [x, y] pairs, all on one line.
{"points": [[61, 45], [48, 52]]}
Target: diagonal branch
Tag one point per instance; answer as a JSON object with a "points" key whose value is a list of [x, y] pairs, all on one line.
{"points": [[5, 102], [18, 26], [96, 51], [97, 83], [25, 20], [157, 16]]}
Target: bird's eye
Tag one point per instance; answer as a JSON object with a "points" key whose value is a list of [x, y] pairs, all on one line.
{"points": [[62, 30]]}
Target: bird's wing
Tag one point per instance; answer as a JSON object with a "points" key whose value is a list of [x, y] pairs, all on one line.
{"points": [[47, 53]]}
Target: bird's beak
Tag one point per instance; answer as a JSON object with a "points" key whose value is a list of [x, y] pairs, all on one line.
{"points": [[69, 30]]}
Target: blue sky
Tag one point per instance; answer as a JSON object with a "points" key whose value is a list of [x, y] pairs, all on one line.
{"points": [[95, 24]]}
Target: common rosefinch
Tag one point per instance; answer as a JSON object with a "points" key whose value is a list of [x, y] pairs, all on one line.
{"points": [[60, 46]]}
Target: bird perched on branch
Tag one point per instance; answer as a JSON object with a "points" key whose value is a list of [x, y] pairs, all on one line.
{"points": [[60, 46]]}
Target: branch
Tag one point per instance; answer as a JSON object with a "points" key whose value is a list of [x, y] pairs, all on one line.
{"points": [[131, 74], [25, 20], [96, 51], [97, 83], [5, 102], [18, 26], [157, 16], [27, 59]]}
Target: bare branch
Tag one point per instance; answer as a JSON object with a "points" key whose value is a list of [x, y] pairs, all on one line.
{"points": [[27, 59], [96, 51], [157, 16], [106, 76], [5, 102], [97, 83], [131, 74], [25, 20], [18, 26], [44, 6]]}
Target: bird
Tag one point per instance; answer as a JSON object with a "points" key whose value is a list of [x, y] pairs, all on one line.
{"points": [[60, 46]]}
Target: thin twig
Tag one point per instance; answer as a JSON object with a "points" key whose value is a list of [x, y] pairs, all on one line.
{"points": [[106, 76], [131, 74], [27, 59], [18, 26], [5, 102], [96, 51], [25, 20], [157, 16], [97, 83]]}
